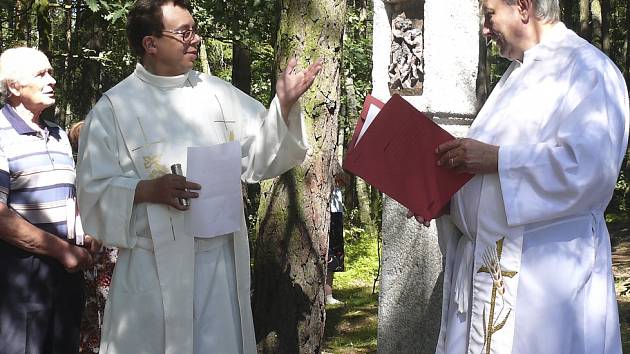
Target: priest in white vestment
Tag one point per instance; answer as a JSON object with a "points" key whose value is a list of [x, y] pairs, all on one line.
{"points": [[528, 259], [172, 292]]}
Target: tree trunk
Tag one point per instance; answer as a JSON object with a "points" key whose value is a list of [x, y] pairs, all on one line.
{"points": [[241, 67], [606, 11], [203, 57], [22, 30], [43, 26], [596, 17], [62, 65], [585, 19], [291, 246], [565, 12]]}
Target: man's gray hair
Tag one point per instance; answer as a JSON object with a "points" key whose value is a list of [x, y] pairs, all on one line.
{"points": [[546, 10], [15, 66]]}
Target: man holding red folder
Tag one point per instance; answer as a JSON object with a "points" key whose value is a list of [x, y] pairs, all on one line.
{"points": [[528, 264]]}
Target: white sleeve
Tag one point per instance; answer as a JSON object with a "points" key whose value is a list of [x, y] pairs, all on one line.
{"points": [[269, 146], [577, 172], [105, 191]]}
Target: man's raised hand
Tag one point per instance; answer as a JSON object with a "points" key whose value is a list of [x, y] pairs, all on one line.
{"points": [[292, 83]]}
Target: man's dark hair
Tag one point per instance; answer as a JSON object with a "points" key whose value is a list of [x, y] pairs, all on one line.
{"points": [[145, 19]]}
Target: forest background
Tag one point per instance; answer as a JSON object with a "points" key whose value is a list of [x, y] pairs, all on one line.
{"points": [[245, 42]]}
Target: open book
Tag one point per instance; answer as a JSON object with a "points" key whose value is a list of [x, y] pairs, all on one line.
{"points": [[393, 149]]}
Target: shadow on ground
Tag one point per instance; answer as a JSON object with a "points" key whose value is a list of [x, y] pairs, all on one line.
{"points": [[351, 327]]}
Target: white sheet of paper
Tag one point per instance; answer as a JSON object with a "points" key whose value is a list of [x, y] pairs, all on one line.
{"points": [[219, 208], [371, 114]]}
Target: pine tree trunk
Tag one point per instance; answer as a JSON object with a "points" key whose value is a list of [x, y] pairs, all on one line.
{"points": [[241, 67], [605, 11], [203, 57], [22, 29], [596, 16], [565, 12], [585, 19], [62, 65], [43, 26], [291, 246]]}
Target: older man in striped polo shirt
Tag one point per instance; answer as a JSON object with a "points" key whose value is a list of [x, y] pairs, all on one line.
{"points": [[41, 286]]}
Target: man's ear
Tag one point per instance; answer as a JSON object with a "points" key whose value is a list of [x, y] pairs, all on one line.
{"points": [[14, 88], [525, 9], [149, 44]]}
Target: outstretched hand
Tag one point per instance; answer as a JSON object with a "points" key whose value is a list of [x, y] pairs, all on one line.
{"points": [[292, 83]]}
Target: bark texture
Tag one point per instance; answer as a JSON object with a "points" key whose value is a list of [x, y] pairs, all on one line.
{"points": [[289, 264], [585, 20]]}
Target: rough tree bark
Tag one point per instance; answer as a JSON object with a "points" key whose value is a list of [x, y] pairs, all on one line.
{"points": [[241, 67], [203, 57], [22, 31], [585, 19], [596, 17], [606, 13], [288, 301], [43, 26]]}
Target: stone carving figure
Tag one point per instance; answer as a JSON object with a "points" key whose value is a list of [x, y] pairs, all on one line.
{"points": [[406, 69]]}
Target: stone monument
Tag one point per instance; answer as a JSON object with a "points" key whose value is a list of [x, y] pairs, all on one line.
{"points": [[428, 52]]}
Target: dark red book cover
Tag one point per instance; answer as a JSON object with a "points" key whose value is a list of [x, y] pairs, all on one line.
{"points": [[396, 154]]}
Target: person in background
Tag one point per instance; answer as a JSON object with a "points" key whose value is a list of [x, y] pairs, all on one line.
{"points": [[335, 258], [73, 136], [41, 283]]}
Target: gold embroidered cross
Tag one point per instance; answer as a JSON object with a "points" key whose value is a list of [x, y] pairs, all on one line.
{"points": [[493, 267], [144, 137]]}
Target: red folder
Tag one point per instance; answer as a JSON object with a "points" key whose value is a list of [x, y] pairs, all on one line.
{"points": [[396, 154]]}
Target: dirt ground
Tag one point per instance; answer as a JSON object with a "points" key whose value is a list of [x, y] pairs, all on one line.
{"points": [[620, 239]]}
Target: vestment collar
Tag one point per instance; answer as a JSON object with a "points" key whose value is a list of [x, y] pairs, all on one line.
{"points": [[160, 81], [548, 43]]}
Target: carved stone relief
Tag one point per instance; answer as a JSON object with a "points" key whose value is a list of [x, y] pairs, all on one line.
{"points": [[406, 68]]}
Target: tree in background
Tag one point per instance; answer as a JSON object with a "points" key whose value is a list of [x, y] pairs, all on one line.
{"points": [[289, 263]]}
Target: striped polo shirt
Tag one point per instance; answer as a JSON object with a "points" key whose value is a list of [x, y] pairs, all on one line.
{"points": [[36, 171]]}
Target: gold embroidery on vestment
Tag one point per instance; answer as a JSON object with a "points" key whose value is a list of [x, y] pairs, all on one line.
{"points": [[153, 166], [492, 260]]}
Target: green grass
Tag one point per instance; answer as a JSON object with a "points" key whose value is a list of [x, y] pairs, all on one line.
{"points": [[351, 327]]}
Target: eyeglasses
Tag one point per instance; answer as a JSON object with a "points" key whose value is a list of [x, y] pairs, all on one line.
{"points": [[187, 34]]}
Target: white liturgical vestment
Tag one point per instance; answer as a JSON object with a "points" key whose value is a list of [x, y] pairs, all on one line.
{"points": [[171, 292], [528, 260]]}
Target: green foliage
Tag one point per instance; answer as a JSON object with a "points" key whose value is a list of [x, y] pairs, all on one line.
{"points": [[361, 258], [357, 60]]}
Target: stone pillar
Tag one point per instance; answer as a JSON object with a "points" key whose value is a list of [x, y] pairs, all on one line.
{"points": [[411, 281]]}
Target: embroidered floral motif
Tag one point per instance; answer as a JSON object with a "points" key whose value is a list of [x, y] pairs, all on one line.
{"points": [[153, 166], [495, 321]]}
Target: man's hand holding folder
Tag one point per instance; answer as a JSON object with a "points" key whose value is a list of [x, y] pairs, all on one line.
{"points": [[394, 149]]}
